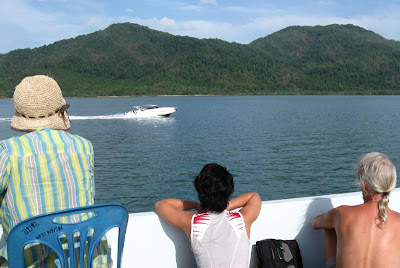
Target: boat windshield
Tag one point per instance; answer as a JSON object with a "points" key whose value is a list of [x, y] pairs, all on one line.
{"points": [[145, 107]]}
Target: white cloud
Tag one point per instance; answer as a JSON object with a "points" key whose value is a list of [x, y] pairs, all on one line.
{"points": [[128, 10], [96, 22], [168, 23], [36, 27], [192, 8]]}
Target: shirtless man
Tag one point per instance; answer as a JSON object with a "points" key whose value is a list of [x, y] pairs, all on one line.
{"points": [[366, 235]]}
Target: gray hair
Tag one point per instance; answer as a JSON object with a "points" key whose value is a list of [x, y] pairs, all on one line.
{"points": [[380, 175]]}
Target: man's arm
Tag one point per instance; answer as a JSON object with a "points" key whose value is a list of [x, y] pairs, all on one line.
{"points": [[250, 204], [4, 168], [325, 221], [173, 212]]}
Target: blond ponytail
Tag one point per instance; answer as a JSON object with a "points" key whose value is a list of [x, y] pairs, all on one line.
{"points": [[382, 206]]}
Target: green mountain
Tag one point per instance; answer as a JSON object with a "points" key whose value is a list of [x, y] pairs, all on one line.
{"points": [[128, 59]]}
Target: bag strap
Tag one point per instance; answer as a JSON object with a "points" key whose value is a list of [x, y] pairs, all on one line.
{"points": [[295, 250], [264, 248], [278, 249]]}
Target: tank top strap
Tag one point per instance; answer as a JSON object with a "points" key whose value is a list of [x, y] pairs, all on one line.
{"points": [[200, 224], [236, 220]]}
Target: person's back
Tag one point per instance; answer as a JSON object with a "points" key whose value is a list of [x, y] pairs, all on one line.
{"points": [[219, 240], [361, 242], [45, 170], [48, 170], [219, 237], [366, 235]]}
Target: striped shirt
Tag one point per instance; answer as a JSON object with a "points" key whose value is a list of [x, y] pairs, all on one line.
{"points": [[41, 172]]}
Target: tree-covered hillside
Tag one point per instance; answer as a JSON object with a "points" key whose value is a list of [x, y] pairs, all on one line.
{"points": [[335, 58], [128, 59]]}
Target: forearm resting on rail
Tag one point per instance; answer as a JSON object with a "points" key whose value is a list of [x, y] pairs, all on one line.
{"points": [[243, 200], [177, 204], [325, 221]]}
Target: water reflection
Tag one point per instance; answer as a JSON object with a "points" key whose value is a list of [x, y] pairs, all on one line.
{"points": [[154, 121]]}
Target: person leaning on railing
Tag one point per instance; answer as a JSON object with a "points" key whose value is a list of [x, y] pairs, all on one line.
{"points": [[45, 170], [219, 237], [366, 235]]}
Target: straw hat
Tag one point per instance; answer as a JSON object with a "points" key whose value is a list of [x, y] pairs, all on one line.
{"points": [[38, 102]]}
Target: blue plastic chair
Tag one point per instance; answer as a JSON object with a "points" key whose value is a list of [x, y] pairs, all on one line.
{"points": [[48, 230]]}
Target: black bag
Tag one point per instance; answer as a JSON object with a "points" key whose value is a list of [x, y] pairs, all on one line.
{"points": [[274, 253]]}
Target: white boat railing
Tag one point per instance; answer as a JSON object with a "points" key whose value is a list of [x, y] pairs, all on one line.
{"points": [[151, 242]]}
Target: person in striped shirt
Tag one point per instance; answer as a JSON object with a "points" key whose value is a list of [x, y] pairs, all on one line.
{"points": [[45, 170]]}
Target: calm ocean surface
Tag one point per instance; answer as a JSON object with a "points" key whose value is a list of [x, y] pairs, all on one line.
{"points": [[279, 146]]}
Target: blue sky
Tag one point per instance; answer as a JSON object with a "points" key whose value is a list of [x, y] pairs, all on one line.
{"points": [[33, 23]]}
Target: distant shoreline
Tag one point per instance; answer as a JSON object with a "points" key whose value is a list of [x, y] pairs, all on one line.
{"points": [[216, 95], [150, 96]]}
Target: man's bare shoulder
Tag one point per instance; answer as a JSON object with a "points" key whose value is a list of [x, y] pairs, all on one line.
{"points": [[394, 216], [343, 209], [347, 213], [347, 208], [340, 212]]}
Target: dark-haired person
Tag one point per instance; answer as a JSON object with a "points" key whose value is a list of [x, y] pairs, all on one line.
{"points": [[219, 237], [366, 235]]}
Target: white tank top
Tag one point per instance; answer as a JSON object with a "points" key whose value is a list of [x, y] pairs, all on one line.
{"points": [[220, 240]]}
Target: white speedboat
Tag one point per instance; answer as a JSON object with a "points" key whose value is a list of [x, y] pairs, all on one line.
{"points": [[150, 111]]}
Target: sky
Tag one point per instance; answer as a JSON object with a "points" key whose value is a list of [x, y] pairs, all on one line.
{"points": [[33, 23]]}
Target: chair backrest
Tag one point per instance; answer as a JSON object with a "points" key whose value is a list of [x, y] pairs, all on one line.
{"points": [[49, 229]]}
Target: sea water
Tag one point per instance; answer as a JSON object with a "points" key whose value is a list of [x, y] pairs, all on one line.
{"points": [[278, 146]]}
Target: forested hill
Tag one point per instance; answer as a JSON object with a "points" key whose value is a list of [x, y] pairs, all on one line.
{"points": [[128, 59]]}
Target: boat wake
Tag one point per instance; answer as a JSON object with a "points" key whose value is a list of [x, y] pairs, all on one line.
{"points": [[95, 117], [116, 116], [105, 117]]}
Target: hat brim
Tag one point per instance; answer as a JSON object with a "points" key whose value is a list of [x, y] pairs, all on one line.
{"points": [[55, 121]]}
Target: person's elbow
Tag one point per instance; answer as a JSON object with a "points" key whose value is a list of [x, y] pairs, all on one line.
{"points": [[256, 199], [254, 204], [158, 206], [257, 196], [254, 194], [314, 224], [325, 221]]}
